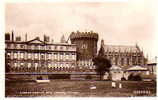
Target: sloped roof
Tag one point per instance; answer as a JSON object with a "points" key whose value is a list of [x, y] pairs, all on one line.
{"points": [[114, 67], [36, 40], [137, 68], [121, 48], [152, 61]]}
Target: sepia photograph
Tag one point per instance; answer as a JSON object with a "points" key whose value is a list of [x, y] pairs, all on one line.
{"points": [[80, 49]]}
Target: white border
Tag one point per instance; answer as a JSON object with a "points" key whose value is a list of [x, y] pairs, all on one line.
{"points": [[2, 27]]}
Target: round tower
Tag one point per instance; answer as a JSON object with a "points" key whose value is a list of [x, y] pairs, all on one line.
{"points": [[86, 43]]}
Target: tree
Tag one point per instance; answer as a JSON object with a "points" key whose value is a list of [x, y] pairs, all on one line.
{"points": [[133, 77], [102, 65], [101, 62]]}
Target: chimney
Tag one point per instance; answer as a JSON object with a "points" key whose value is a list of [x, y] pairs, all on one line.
{"points": [[52, 40], [26, 37], [18, 38], [62, 40], [46, 38], [12, 36], [7, 37], [102, 42]]}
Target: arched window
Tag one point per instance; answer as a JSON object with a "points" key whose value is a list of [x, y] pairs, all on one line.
{"points": [[122, 61]]}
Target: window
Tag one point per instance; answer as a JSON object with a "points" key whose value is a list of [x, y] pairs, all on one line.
{"points": [[22, 46], [22, 55], [8, 45], [29, 65], [61, 65], [127, 61], [67, 65], [61, 56], [29, 55], [29, 46], [133, 60], [73, 56], [67, 55], [52, 47], [15, 45], [49, 65], [122, 61], [55, 47], [49, 56], [42, 56], [21, 64], [15, 55], [36, 56], [61, 48], [55, 55], [36, 65], [42, 47], [139, 60], [15, 64], [8, 55], [55, 64], [18, 45], [67, 48], [49, 47], [36, 47], [116, 60]]}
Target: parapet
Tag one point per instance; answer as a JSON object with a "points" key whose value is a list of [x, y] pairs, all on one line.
{"points": [[87, 35]]}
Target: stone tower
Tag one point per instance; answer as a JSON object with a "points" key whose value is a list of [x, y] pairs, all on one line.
{"points": [[86, 43]]}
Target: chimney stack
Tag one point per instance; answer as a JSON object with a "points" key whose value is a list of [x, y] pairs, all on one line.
{"points": [[12, 36]]}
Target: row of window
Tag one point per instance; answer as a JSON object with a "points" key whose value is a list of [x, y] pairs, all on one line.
{"points": [[85, 63], [126, 61], [49, 65], [122, 52], [40, 47], [61, 56], [128, 55]]}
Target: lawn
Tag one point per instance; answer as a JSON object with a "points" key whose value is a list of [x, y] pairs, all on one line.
{"points": [[69, 88]]}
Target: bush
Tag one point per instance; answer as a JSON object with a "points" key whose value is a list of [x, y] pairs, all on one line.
{"points": [[39, 78], [132, 77], [137, 78], [88, 77], [123, 79]]}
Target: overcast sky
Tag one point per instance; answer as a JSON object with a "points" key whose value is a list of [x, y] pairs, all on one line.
{"points": [[118, 23]]}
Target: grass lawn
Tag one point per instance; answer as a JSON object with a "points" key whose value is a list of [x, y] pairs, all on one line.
{"points": [[69, 88]]}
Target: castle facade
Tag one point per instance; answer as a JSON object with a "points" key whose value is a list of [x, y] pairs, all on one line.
{"points": [[36, 54], [123, 55]]}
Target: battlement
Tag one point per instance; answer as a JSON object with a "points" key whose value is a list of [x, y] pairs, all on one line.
{"points": [[91, 34]]}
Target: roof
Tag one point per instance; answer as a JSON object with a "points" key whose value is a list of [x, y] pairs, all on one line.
{"points": [[114, 67], [121, 48], [38, 41], [137, 68], [152, 61]]}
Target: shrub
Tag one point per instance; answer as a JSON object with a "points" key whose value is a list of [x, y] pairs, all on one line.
{"points": [[132, 77], [88, 77], [123, 79], [137, 78]]}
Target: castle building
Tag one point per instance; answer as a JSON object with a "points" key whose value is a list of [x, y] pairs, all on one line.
{"points": [[86, 44], [36, 54], [152, 65], [123, 55]]}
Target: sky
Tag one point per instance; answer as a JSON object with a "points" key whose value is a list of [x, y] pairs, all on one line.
{"points": [[118, 23]]}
